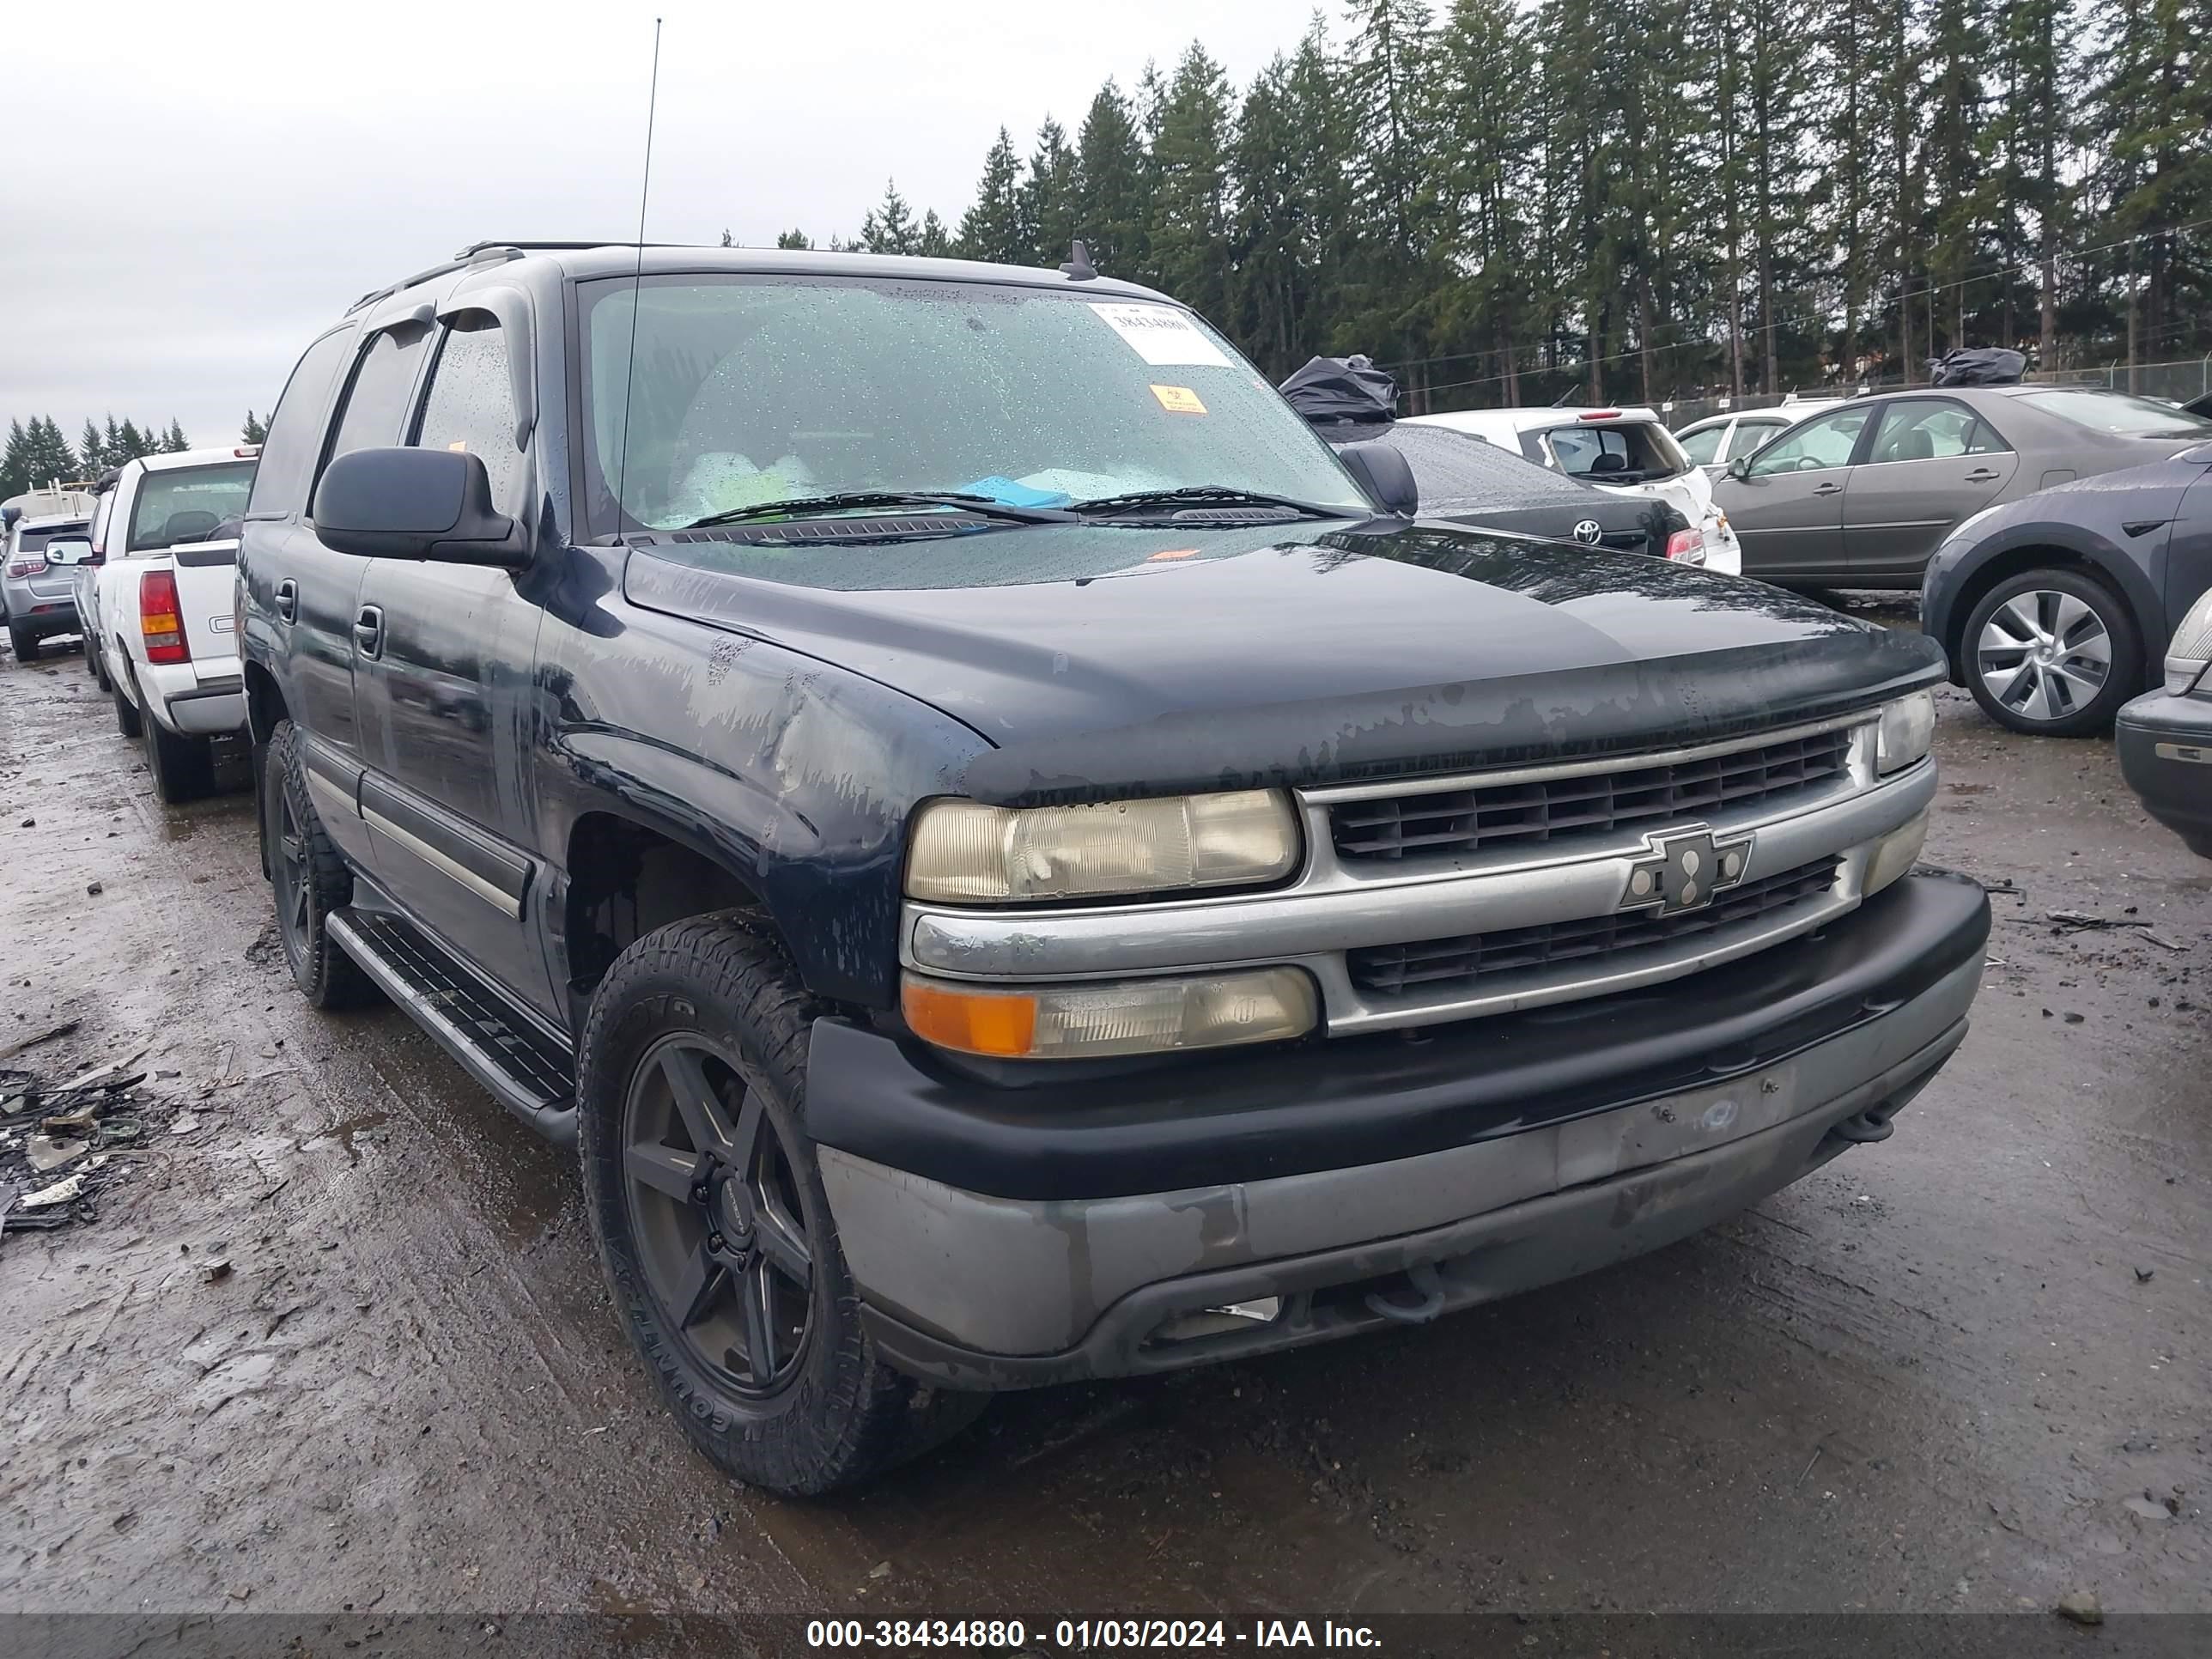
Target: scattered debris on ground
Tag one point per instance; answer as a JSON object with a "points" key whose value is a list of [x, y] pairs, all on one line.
{"points": [[63, 1145]]}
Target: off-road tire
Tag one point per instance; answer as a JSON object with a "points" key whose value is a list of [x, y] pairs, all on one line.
{"points": [[128, 720], [26, 643], [843, 1416], [2123, 645], [326, 974], [181, 768]]}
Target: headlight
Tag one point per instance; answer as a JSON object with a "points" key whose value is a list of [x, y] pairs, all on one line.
{"points": [[2192, 646], [1128, 1016], [967, 853], [1908, 727]]}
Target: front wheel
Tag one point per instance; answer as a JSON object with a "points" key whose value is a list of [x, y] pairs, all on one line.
{"points": [[711, 1220], [2052, 652], [309, 877]]}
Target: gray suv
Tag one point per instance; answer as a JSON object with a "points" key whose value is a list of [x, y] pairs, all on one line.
{"points": [[41, 601], [1863, 495]]}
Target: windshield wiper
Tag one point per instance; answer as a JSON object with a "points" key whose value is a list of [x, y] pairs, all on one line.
{"points": [[1207, 496], [807, 506]]}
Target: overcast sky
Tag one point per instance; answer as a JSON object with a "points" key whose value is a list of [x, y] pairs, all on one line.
{"points": [[189, 192]]}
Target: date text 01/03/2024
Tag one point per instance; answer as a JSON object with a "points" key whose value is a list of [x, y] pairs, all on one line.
{"points": [[1083, 1634]]}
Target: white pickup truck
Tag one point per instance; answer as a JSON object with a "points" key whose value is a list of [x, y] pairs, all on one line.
{"points": [[158, 603]]}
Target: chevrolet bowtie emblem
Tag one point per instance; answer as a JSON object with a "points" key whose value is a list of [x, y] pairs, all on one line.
{"points": [[1686, 867]]}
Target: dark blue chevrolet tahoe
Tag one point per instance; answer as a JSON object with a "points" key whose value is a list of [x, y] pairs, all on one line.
{"points": [[1012, 863]]}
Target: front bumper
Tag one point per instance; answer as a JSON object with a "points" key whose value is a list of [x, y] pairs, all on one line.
{"points": [[1003, 1238], [2166, 755]]}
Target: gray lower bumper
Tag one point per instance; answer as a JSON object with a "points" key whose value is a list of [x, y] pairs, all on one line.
{"points": [[214, 707], [985, 1292]]}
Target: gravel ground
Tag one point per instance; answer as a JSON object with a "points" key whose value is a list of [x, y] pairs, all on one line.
{"points": [[1966, 1368]]}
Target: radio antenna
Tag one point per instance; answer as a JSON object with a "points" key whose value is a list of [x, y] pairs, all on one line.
{"points": [[637, 278]]}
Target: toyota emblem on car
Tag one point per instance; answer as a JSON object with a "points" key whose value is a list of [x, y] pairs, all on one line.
{"points": [[1587, 530]]}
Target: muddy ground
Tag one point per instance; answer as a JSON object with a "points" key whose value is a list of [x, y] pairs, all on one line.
{"points": [[1963, 1370]]}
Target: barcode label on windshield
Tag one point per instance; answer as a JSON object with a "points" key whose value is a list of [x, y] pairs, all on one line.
{"points": [[1160, 334]]}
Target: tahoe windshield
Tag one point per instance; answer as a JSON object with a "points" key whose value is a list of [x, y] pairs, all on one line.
{"points": [[754, 390], [186, 503]]}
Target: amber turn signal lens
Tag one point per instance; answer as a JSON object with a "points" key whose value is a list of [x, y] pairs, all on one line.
{"points": [[972, 1022], [1091, 1019]]}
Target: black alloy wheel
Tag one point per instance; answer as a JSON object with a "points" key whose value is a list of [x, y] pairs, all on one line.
{"points": [[715, 1205]]}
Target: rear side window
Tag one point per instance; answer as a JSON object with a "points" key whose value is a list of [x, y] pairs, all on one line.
{"points": [[1702, 446], [101, 515], [296, 430], [1931, 430], [376, 403], [470, 403], [186, 504]]}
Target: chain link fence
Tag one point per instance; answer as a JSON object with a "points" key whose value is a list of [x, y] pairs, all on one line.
{"points": [[2178, 382]]}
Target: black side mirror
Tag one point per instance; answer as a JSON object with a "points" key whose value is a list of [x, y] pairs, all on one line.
{"points": [[1384, 474], [415, 504]]}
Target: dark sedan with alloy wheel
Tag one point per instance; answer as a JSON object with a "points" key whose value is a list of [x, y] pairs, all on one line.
{"points": [[2057, 609]]}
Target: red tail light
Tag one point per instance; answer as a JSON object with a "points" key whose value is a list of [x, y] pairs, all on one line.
{"points": [[161, 621], [1686, 546], [22, 568]]}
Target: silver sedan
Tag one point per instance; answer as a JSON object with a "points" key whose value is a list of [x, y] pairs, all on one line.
{"points": [[1862, 495]]}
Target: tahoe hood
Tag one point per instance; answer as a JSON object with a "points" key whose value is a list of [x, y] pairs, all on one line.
{"points": [[1114, 661]]}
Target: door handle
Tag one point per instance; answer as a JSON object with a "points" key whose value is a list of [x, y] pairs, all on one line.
{"points": [[288, 599], [1982, 475], [369, 631], [1828, 489]]}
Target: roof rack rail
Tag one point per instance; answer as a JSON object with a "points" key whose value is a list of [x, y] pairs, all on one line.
{"points": [[468, 255]]}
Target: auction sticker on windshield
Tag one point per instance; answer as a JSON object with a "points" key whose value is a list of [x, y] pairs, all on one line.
{"points": [[1178, 400], [1160, 334]]}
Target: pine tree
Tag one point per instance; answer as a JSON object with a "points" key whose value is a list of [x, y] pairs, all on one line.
{"points": [[91, 454], [1189, 233], [15, 461], [1047, 198], [935, 240], [890, 227], [1111, 183], [793, 241], [173, 443], [1953, 155], [991, 229], [37, 456], [1484, 127], [256, 430]]}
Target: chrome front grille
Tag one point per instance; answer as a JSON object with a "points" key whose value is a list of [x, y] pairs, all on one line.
{"points": [[1488, 893], [1545, 811], [1390, 971]]}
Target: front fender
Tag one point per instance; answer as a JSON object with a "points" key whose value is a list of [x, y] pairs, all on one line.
{"points": [[794, 775], [1961, 571]]}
